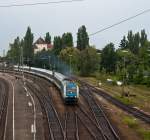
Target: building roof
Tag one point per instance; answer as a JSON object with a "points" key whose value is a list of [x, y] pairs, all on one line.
{"points": [[40, 41]]}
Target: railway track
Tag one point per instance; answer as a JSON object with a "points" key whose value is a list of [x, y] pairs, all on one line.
{"points": [[135, 112], [55, 128], [102, 121], [100, 129], [71, 126], [94, 130], [3, 105], [128, 108], [72, 117]]}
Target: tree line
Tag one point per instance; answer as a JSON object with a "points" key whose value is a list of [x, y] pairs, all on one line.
{"points": [[131, 59]]}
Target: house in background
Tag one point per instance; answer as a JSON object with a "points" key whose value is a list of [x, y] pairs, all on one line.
{"points": [[40, 44]]}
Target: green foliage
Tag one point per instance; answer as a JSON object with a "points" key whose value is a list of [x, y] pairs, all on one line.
{"points": [[85, 62], [109, 58], [42, 59], [14, 52], [57, 45], [139, 76], [137, 59], [70, 56], [28, 51], [136, 45], [48, 38], [148, 80], [133, 123], [130, 121], [123, 43], [144, 133], [82, 38], [67, 40], [88, 61], [38, 61], [131, 70], [130, 40], [130, 62], [134, 41], [125, 100], [127, 64], [143, 38]]}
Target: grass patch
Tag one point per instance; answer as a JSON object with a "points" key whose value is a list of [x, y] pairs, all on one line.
{"points": [[144, 133], [133, 123], [130, 121], [125, 100]]}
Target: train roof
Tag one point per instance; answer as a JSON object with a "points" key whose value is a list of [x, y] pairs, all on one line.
{"points": [[58, 76], [42, 70]]}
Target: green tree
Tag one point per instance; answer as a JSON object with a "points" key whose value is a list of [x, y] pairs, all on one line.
{"points": [[123, 43], [28, 51], [143, 38], [139, 76], [48, 38], [109, 58], [128, 64], [88, 61], [14, 52], [82, 38], [43, 59], [144, 55], [136, 44], [70, 56], [57, 45], [133, 42], [67, 40]]}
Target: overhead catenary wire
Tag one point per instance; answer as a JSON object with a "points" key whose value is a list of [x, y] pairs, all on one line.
{"points": [[39, 3], [69, 1], [120, 22]]}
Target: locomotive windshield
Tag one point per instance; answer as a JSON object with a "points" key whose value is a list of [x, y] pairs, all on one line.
{"points": [[71, 87]]}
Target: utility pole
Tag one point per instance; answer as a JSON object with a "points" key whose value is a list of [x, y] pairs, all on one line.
{"points": [[53, 71], [124, 73], [22, 62], [49, 57]]}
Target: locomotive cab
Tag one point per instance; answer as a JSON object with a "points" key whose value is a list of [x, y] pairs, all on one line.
{"points": [[71, 92]]}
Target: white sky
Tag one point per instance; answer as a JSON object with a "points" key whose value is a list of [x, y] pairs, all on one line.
{"points": [[68, 17]]}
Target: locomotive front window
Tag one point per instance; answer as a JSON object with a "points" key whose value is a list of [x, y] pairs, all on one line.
{"points": [[71, 87]]}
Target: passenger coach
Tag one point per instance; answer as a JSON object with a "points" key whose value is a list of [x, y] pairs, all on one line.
{"points": [[68, 88]]}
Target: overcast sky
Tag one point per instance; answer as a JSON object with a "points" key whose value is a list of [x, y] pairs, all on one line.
{"points": [[68, 17]]}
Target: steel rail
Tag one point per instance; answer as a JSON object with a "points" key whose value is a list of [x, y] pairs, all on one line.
{"points": [[55, 126], [3, 106], [127, 108], [94, 130], [99, 115], [71, 126]]}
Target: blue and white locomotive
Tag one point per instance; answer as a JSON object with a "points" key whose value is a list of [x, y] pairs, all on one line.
{"points": [[69, 89]]}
